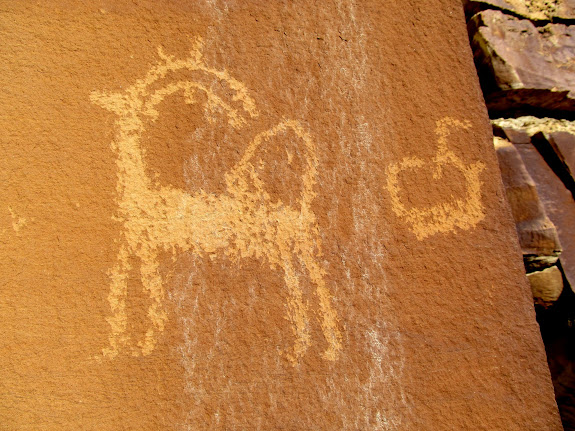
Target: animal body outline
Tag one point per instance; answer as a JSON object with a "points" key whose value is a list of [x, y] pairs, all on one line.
{"points": [[241, 222], [444, 216]]}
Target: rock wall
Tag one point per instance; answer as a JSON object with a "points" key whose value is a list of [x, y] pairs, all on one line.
{"points": [[524, 54], [223, 215]]}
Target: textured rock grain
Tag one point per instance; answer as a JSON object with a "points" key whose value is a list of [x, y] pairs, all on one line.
{"points": [[546, 285], [224, 215], [531, 125]]}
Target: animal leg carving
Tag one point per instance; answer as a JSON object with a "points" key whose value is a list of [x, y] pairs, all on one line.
{"points": [[297, 312], [329, 324], [118, 321], [152, 283]]}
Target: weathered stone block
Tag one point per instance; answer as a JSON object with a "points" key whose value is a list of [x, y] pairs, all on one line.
{"points": [[546, 285], [515, 136], [524, 68], [558, 203], [558, 150], [537, 234]]}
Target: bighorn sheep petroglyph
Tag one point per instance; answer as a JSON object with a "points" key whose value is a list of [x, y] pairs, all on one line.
{"points": [[241, 222]]}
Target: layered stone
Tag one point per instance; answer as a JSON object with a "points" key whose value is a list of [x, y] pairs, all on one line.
{"points": [[536, 10], [558, 203], [524, 68], [537, 234]]}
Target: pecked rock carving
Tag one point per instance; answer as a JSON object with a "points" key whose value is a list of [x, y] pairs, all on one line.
{"points": [[241, 222], [445, 216]]}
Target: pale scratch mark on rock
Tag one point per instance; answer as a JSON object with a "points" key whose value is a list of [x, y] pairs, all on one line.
{"points": [[18, 222]]}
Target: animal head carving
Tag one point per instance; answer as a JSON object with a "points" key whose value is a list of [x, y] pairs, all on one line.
{"points": [[142, 98]]}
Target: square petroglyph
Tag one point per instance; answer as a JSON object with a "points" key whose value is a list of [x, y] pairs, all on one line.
{"points": [[444, 216]]}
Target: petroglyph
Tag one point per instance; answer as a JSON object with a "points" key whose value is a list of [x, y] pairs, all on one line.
{"points": [[242, 222], [445, 216]]}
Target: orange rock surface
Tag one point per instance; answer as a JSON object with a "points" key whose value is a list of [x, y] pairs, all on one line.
{"points": [[233, 215]]}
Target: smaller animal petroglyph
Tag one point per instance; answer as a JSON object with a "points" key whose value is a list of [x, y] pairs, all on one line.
{"points": [[445, 216], [242, 222]]}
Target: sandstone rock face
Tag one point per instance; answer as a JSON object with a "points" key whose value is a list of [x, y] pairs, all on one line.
{"points": [[536, 10], [224, 215], [524, 68]]}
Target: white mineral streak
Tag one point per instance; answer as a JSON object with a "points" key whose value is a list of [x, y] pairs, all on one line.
{"points": [[387, 369], [381, 398]]}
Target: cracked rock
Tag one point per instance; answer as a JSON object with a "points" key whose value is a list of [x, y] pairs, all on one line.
{"points": [[558, 148]]}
